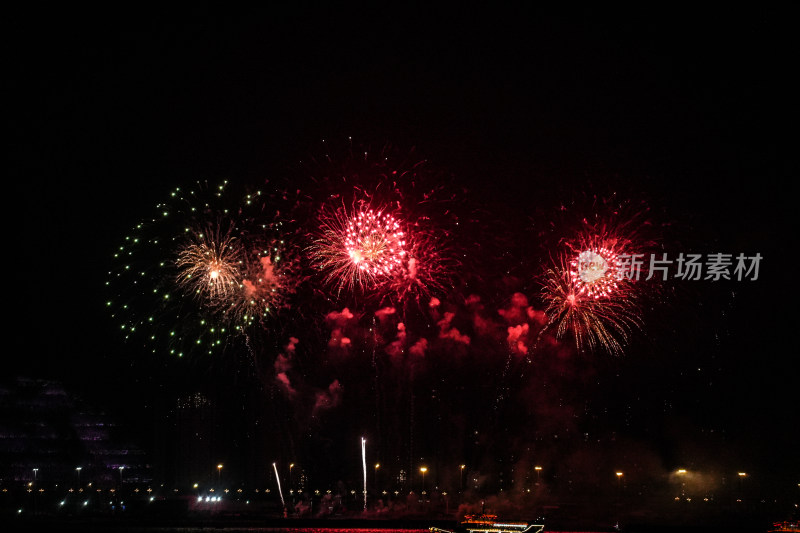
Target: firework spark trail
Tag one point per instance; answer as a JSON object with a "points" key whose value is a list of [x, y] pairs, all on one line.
{"points": [[377, 378], [507, 368], [503, 376], [278, 479], [364, 465], [535, 344], [593, 322]]}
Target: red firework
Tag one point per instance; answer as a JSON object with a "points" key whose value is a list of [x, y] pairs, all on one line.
{"points": [[592, 321], [427, 268], [607, 254], [361, 248], [592, 293]]}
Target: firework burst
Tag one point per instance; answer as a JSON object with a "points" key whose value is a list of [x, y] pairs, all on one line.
{"points": [[593, 322], [595, 289], [360, 248], [409, 211], [201, 273], [589, 294], [209, 268]]}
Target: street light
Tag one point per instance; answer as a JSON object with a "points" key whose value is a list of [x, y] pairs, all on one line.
{"points": [[538, 471], [219, 474], [619, 480], [377, 466], [682, 473], [423, 469], [78, 470], [461, 478]]}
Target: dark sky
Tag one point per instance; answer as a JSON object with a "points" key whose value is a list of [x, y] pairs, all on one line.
{"points": [[693, 110]]}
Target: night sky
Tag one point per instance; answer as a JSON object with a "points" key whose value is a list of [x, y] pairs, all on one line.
{"points": [[690, 112]]}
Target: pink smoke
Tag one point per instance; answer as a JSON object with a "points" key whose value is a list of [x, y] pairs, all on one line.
{"points": [[382, 314], [516, 336], [518, 310], [338, 322], [283, 364], [396, 348], [327, 399], [446, 331], [417, 351], [285, 384]]}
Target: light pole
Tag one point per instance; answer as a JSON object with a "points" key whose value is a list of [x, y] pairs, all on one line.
{"points": [[461, 477], [619, 494], [78, 475], [742, 475], [219, 475], [423, 469], [291, 479], [538, 471], [682, 473], [377, 466]]}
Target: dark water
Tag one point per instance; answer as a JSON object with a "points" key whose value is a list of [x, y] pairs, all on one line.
{"points": [[91, 527], [121, 528], [644, 529], [417, 527], [237, 524]]}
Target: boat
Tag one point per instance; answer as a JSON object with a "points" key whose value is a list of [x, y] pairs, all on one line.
{"points": [[488, 523], [785, 526]]}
